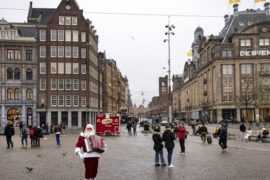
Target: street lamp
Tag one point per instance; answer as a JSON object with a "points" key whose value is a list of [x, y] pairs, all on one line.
{"points": [[168, 33]]}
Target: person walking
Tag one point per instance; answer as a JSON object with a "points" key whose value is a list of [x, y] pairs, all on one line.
{"points": [[203, 133], [90, 158], [181, 134], [9, 132], [134, 126], [223, 137], [33, 134], [38, 135], [129, 126], [25, 132], [158, 147], [242, 132], [57, 131], [168, 137]]}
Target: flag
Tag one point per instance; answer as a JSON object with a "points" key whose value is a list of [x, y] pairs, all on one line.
{"points": [[257, 1], [189, 53], [234, 1]]}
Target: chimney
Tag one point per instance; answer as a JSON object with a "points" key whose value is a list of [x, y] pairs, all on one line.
{"points": [[226, 18], [235, 8], [266, 7]]}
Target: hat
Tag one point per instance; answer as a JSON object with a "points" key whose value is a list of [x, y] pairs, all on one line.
{"points": [[89, 126]]}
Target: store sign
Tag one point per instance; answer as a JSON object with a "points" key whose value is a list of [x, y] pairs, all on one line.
{"points": [[255, 53]]}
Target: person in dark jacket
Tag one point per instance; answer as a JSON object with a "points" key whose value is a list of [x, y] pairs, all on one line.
{"points": [[203, 133], [158, 147], [9, 132], [168, 137], [223, 137], [242, 131], [181, 134], [129, 126], [38, 135]]}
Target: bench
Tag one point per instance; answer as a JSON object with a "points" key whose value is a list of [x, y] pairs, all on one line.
{"points": [[266, 139], [253, 138]]}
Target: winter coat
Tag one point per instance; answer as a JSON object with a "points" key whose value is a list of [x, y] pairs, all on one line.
{"points": [[203, 129], [39, 132], [9, 130], [181, 132], [168, 137], [158, 146], [223, 133], [242, 128]]}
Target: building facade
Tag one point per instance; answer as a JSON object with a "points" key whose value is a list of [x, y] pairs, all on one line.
{"points": [[18, 66], [230, 79]]}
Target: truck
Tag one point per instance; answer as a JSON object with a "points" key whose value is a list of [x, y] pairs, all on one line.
{"points": [[108, 124]]}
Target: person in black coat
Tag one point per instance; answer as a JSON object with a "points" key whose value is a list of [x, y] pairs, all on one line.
{"points": [[168, 137], [223, 137], [242, 132], [9, 132], [158, 147]]}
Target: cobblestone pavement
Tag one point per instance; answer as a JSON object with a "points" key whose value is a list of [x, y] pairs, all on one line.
{"points": [[132, 157]]}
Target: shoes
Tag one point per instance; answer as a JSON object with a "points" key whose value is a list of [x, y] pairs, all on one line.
{"points": [[157, 164], [163, 165], [171, 166], [183, 153]]}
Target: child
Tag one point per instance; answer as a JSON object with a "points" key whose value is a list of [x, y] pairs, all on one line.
{"points": [[158, 147]]}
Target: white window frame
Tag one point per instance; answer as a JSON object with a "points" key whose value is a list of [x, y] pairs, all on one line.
{"points": [[68, 20], [53, 51], [61, 51], [83, 68], [83, 85], [42, 35], [68, 82], [61, 35], [53, 68], [42, 51], [75, 68], [245, 42], [76, 84], [61, 20], [264, 42], [42, 68], [53, 100], [68, 51], [53, 84], [76, 99], [53, 35], [61, 84], [61, 100], [83, 36], [83, 101], [68, 35], [75, 36], [68, 100], [74, 21], [42, 84], [68, 68], [83, 53], [75, 52], [61, 68]]}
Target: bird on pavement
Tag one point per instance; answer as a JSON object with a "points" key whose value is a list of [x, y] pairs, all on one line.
{"points": [[64, 154], [29, 169]]}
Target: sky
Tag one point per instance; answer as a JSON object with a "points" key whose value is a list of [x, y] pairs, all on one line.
{"points": [[135, 42]]}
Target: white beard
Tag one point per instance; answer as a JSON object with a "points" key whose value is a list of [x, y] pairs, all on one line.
{"points": [[89, 133]]}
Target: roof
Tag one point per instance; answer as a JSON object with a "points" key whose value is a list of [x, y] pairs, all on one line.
{"points": [[27, 31], [46, 14]]}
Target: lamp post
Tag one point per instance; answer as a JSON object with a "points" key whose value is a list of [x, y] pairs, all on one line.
{"points": [[168, 33]]}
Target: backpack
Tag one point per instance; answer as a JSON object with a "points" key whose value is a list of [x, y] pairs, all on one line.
{"points": [[24, 132]]}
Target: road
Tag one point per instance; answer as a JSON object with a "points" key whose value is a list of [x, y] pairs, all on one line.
{"points": [[132, 157]]}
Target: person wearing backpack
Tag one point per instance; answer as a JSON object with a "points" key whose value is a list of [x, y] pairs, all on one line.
{"points": [[181, 134], [168, 137], [90, 158], [158, 147], [24, 134]]}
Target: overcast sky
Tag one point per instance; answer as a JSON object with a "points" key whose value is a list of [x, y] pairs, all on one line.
{"points": [[136, 42]]}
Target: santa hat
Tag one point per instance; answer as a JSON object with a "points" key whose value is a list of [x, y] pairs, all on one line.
{"points": [[89, 126]]}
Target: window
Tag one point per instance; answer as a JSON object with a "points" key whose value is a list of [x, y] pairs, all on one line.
{"points": [[74, 21], [53, 100], [75, 52], [227, 96], [83, 101], [53, 84], [227, 69], [10, 54], [61, 100], [75, 84], [75, 68], [61, 20], [265, 67], [42, 51], [263, 42], [61, 84], [68, 100], [83, 85], [227, 81], [10, 73], [68, 20], [53, 68], [226, 54], [75, 36], [17, 94], [60, 51], [42, 68], [61, 35], [68, 35], [245, 42], [83, 69], [28, 54], [53, 34], [68, 51], [42, 35], [17, 74], [68, 68], [42, 84], [246, 69], [68, 84], [75, 100], [17, 55], [53, 51], [61, 68], [83, 53], [29, 94], [29, 74], [10, 93], [83, 36]]}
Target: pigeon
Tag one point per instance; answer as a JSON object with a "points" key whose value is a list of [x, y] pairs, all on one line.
{"points": [[39, 155], [64, 154], [29, 169]]}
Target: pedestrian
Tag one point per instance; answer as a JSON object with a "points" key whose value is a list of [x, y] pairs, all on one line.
{"points": [[129, 126], [38, 135], [90, 158], [223, 137], [242, 132], [51, 128], [57, 131], [21, 127], [134, 126], [203, 132], [9, 132], [168, 137], [193, 126], [158, 147], [25, 132], [64, 128], [181, 134], [46, 127], [32, 134]]}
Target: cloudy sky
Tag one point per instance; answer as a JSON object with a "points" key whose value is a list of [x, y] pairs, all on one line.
{"points": [[136, 41]]}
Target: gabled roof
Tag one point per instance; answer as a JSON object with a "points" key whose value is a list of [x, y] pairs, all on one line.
{"points": [[45, 14]]}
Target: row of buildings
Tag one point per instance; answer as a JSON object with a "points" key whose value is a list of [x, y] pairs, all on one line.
{"points": [[228, 76], [51, 71]]}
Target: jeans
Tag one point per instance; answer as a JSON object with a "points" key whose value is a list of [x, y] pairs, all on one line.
{"points": [[9, 141], [159, 154], [24, 139], [203, 136], [182, 145], [57, 137], [223, 143], [170, 152]]}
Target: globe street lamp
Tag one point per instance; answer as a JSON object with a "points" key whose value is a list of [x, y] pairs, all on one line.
{"points": [[168, 33]]}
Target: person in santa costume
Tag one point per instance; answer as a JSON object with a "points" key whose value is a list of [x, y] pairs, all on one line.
{"points": [[90, 158]]}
